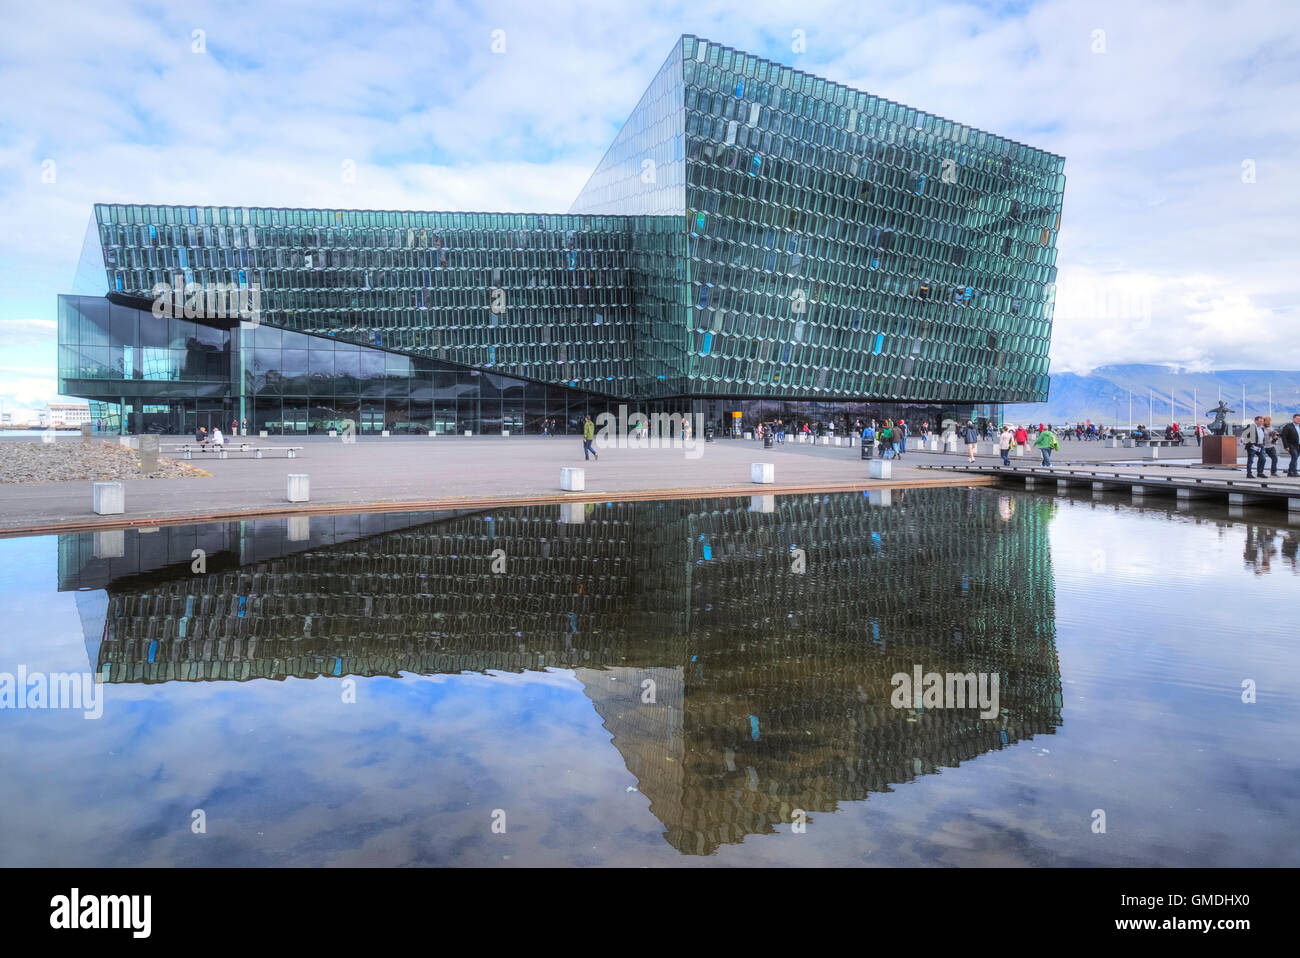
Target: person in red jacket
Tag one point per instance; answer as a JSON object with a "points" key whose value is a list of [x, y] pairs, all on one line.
{"points": [[1022, 436]]}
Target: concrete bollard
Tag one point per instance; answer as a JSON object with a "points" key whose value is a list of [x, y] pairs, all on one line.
{"points": [[763, 472], [432, 433], [762, 503], [1112, 443], [950, 444], [110, 499], [299, 487], [573, 479], [469, 432], [932, 444], [85, 434], [826, 440], [261, 433], [148, 454], [383, 432], [880, 469], [1150, 452], [334, 433], [505, 433], [749, 435], [1020, 450], [110, 544]]}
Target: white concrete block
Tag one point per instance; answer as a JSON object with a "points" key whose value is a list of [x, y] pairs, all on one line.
{"points": [[762, 503], [573, 479], [880, 497], [1020, 450], [110, 544], [383, 432], [573, 513], [749, 435], [880, 469], [334, 433], [110, 499], [826, 440], [469, 432], [262, 433], [764, 472], [1293, 505], [1150, 452], [432, 433], [505, 432], [299, 487], [1112, 443]]}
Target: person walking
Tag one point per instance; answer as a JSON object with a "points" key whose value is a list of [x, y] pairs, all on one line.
{"points": [[588, 434], [901, 429], [1047, 443], [971, 436], [1290, 436], [1255, 437], [1005, 438], [1022, 438], [1199, 431], [1270, 444]]}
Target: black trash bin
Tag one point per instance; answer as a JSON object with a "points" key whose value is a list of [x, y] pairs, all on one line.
{"points": [[866, 448], [767, 440], [708, 432]]}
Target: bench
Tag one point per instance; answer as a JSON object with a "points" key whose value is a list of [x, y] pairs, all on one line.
{"points": [[1131, 443], [223, 451]]}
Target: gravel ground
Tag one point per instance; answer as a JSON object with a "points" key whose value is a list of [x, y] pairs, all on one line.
{"points": [[63, 461]]}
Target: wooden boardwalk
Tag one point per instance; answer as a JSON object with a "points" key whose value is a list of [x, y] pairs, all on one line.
{"points": [[1148, 479]]}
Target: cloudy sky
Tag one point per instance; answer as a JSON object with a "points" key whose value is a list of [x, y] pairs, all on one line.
{"points": [[1180, 124]]}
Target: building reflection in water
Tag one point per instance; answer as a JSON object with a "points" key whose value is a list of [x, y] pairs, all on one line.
{"points": [[736, 687]]}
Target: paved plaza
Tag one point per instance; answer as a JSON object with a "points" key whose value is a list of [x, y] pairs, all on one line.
{"points": [[430, 472]]}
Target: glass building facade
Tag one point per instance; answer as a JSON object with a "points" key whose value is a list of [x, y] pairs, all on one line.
{"points": [[755, 235], [145, 374]]}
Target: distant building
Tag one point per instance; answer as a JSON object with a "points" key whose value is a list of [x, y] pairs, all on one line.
{"points": [[66, 414]]}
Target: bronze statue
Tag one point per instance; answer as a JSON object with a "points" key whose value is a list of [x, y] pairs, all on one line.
{"points": [[1220, 412]]}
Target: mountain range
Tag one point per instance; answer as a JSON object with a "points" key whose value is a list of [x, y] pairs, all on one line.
{"points": [[1103, 395]]}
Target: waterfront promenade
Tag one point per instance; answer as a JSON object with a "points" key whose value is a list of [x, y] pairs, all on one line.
{"points": [[404, 472], [379, 473]]}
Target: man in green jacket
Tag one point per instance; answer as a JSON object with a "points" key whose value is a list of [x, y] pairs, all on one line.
{"points": [[1045, 443], [588, 434]]}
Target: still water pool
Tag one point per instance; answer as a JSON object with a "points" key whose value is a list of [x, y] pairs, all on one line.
{"points": [[660, 683]]}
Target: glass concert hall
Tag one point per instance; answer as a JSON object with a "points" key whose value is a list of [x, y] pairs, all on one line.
{"points": [[757, 243]]}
